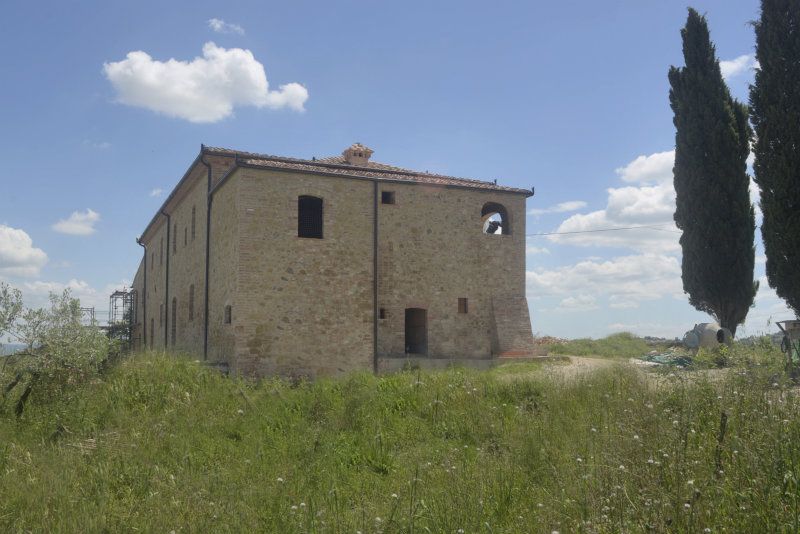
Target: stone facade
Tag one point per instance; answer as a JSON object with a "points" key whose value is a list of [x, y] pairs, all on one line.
{"points": [[283, 304]]}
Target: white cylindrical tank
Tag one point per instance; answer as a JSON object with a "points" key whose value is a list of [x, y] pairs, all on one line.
{"points": [[707, 335]]}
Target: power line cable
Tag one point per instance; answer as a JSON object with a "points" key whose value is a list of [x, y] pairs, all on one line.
{"points": [[657, 227]]}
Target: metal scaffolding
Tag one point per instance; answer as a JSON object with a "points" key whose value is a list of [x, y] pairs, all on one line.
{"points": [[121, 316]]}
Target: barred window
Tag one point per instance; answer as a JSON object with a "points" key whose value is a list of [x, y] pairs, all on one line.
{"points": [[462, 305], [309, 217], [227, 317]]}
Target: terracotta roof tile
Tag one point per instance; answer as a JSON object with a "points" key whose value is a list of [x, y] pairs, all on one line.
{"points": [[373, 170]]}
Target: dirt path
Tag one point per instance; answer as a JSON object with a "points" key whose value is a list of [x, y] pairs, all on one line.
{"points": [[575, 367]]}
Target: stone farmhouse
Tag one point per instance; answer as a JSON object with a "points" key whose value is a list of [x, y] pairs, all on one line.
{"points": [[273, 265]]}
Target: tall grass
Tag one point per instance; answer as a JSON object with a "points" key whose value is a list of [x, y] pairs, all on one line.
{"points": [[162, 444], [620, 345]]}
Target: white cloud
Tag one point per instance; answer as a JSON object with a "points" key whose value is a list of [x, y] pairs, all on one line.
{"points": [[769, 307], [536, 250], [668, 331], [737, 66], [653, 169], [578, 304], [18, 256], [570, 205], [626, 281], [36, 293], [78, 223], [205, 89], [220, 26], [156, 192], [650, 203]]}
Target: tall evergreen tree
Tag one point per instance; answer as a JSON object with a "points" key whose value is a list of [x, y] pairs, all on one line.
{"points": [[775, 105], [713, 207]]}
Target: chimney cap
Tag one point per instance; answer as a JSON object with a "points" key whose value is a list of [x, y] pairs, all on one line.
{"points": [[357, 154]]}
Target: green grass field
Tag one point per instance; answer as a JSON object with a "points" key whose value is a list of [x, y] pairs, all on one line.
{"points": [[621, 345], [162, 444]]}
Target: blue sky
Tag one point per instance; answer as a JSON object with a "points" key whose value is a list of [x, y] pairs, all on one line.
{"points": [[563, 96]]}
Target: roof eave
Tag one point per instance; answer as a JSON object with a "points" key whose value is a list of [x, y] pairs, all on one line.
{"points": [[513, 191]]}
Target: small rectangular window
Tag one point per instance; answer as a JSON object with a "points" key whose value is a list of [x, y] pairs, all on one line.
{"points": [[191, 302], [382, 313], [462, 305], [227, 314], [387, 197], [185, 236], [309, 217]]}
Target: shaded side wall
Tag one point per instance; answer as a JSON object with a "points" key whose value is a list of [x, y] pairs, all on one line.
{"points": [[137, 335], [156, 286], [304, 306], [187, 265]]}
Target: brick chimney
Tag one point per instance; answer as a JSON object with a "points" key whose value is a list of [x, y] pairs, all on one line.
{"points": [[357, 154]]}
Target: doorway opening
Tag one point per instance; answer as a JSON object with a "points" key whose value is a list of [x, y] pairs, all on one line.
{"points": [[416, 331]]}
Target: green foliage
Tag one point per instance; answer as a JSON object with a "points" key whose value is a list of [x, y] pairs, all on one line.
{"points": [[775, 112], [713, 207], [621, 345], [763, 353], [162, 444], [61, 351], [10, 307]]}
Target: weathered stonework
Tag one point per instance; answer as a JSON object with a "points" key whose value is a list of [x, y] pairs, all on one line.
{"points": [[306, 306]]}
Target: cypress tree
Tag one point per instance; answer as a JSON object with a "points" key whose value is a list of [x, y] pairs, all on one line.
{"points": [[775, 105], [713, 207]]}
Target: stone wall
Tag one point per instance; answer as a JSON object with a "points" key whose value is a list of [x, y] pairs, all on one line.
{"points": [[304, 305], [223, 276], [187, 264], [137, 335], [432, 252]]}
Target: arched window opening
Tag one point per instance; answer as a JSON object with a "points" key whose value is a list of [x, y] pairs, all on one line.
{"points": [[174, 320], [309, 217], [495, 219]]}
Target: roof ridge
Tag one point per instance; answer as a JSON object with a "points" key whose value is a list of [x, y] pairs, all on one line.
{"points": [[372, 169], [321, 162]]}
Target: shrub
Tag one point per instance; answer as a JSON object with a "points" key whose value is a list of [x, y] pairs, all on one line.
{"points": [[60, 350]]}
